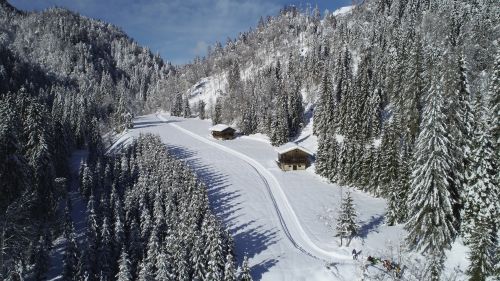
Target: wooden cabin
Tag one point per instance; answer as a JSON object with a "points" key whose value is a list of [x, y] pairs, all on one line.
{"points": [[223, 132], [293, 157]]}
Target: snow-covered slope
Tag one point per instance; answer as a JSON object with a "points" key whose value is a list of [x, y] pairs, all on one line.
{"points": [[283, 221], [343, 10], [207, 89]]}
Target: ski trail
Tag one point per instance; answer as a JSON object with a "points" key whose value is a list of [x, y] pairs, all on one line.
{"points": [[281, 204]]}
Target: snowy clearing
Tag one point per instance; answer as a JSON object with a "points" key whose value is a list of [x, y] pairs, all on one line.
{"points": [[282, 220]]}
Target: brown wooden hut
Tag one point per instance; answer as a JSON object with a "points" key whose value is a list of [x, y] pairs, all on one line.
{"points": [[293, 157], [223, 132]]}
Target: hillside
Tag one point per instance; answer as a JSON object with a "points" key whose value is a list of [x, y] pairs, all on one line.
{"points": [[398, 100], [404, 100]]}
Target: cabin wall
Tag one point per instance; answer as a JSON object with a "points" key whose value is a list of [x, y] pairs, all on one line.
{"points": [[223, 135], [290, 167]]}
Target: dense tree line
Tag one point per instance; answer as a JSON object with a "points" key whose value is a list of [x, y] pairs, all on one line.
{"points": [[64, 80], [148, 218]]}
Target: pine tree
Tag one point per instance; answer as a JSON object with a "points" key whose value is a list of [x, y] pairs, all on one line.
{"points": [[177, 107], [481, 209], [198, 261], [459, 116], [105, 254], [163, 268], [41, 258], [295, 110], [201, 109], [145, 271], [245, 270], [431, 225], [347, 226], [71, 254], [217, 116], [280, 130], [322, 156], [482, 241], [229, 269], [494, 106], [323, 114], [186, 113], [87, 183], [93, 237], [124, 273]]}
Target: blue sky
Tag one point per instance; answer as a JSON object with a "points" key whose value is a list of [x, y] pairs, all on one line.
{"points": [[178, 29]]}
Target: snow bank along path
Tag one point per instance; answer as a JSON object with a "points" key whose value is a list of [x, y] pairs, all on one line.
{"points": [[287, 217]]}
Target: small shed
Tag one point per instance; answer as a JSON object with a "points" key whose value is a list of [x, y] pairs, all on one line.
{"points": [[222, 132], [292, 157]]}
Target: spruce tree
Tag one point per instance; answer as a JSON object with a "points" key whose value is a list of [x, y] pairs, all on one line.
{"points": [[198, 261], [145, 271], [323, 113], [280, 130], [347, 226], [186, 111], [177, 107], [229, 269], [105, 254], [245, 271], [163, 268], [201, 109], [431, 225], [41, 259], [482, 241], [481, 208], [71, 255], [494, 106], [217, 115], [295, 110], [124, 272]]}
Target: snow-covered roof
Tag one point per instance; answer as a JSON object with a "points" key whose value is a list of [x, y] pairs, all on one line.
{"points": [[291, 146], [219, 128]]}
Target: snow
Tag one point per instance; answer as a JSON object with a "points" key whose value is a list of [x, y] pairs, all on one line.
{"points": [[343, 11], [283, 221], [207, 89], [291, 146], [219, 128], [339, 138]]}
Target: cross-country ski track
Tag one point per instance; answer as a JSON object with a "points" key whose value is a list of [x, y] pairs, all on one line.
{"points": [[289, 222], [261, 216]]}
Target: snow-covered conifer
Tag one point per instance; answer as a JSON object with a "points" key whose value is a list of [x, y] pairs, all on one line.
{"points": [[186, 110], [347, 226], [124, 272], [431, 224], [245, 271], [217, 114], [201, 109]]}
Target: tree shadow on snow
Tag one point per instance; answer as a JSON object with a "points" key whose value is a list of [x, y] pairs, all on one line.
{"points": [[259, 269], [372, 224], [250, 239], [150, 123]]}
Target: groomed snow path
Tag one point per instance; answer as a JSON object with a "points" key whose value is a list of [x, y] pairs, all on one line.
{"points": [[250, 201]]}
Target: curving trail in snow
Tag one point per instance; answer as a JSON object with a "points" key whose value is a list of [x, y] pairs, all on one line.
{"points": [[287, 217]]}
